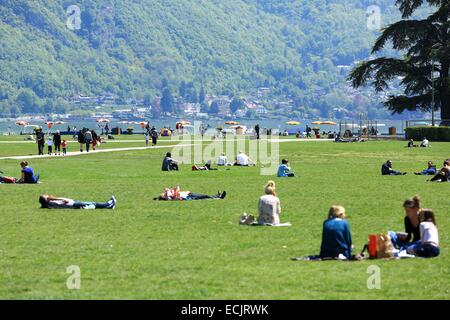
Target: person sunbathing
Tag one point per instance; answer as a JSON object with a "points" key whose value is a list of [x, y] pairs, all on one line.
{"points": [[52, 202], [175, 194]]}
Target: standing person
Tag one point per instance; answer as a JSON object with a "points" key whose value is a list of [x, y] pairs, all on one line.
{"points": [[154, 135], [57, 142], [428, 246], [40, 140], [87, 139], [336, 237], [68, 129], [64, 147], [106, 129], [147, 138], [169, 164], [269, 207], [81, 139], [50, 145], [74, 132], [257, 129], [411, 221], [95, 139]]}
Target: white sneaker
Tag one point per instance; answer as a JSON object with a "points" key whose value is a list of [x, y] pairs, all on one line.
{"points": [[112, 202]]}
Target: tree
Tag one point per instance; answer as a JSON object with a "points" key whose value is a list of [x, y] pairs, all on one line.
{"points": [[427, 46], [202, 95], [147, 99], [28, 101], [182, 89], [204, 108], [236, 104], [214, 108], [167, 101]]}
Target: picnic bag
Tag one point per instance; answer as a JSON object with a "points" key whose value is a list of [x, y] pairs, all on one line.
{"points": [[247, 219], [380, 246]]}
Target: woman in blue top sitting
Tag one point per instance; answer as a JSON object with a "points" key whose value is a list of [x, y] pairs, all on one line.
{"points": [[28, 175], [284, 170], [336, 238]]}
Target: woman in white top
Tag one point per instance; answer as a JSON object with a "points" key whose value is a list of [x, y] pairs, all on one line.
{"points": [[428, 246], [269, 207]]}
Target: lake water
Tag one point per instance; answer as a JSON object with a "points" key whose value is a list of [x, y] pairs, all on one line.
{"points": [[383, 125]]}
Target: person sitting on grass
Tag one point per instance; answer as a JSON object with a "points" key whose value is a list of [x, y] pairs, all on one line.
{"points": [[222, 160], [175, 194], [28, 175], [444, 174], [284, 170], [386, 170], [52, 202], [336, 237], [425, 143], [269, 207], [428, 246], [430, 171], [411, 144], [243, 160], [412, 212], [169, 164]]}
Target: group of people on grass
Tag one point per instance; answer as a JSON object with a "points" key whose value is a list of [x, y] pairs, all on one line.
{"points": [[442, 175], [55, 143], [424, 144], [151, 134], [86, 137]]}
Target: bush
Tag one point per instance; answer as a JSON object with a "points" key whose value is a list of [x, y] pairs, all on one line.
{"points": [[431, 133]]}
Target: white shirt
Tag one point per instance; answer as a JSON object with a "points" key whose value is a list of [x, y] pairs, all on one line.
{"points": [[425, 143], [269, 209], [222, 161], [429, 233], [242, 159]]}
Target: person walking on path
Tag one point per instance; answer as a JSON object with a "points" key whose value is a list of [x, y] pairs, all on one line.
{"points": [[154, 135], [257, 129], [88, 139], [57, 142], [40, 140], [81, 139]]}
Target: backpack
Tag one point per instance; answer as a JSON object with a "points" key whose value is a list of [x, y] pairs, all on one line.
{"points": [[380, 246], [247, 219]]}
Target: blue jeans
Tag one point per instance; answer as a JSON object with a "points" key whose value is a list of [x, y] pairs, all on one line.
{"points": [[429, 172], [398, 243], [81, 205], [424, 250]]}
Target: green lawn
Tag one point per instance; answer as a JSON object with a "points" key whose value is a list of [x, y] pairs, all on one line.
{"points": [[196, 250]]}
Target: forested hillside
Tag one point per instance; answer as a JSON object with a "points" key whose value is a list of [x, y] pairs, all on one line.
{"points": [[134, 48]]}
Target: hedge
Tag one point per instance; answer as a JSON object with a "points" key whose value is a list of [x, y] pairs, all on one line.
{"points": [[431, 133]]}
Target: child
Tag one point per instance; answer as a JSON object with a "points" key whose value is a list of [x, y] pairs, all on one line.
{"points": [[428, 246], [147, 138], [50, 146], [64, 147]]}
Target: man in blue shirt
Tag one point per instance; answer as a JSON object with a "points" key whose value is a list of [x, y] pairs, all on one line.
{"points": [[284, 170]]}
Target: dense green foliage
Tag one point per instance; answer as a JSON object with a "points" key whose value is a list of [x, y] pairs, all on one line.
{"points": [[431, 133], [133, 48], [427, 46], [196, 250]]}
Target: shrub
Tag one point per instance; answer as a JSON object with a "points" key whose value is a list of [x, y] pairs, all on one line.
{"points": [[431, 133]]}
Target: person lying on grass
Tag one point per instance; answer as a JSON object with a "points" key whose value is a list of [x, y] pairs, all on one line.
{"points": [[52, 202], [206, 167], [444, 174], [386, 170], [430, 171], [412, 232], [284, 170], [428, 246], [175, 194]]}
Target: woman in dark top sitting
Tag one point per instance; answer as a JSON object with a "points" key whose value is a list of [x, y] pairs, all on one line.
{"points": [[412, 224], [28, 175]]}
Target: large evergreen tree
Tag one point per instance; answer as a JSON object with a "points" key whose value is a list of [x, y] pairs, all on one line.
{"points": [[426, 44], [167, 101]]}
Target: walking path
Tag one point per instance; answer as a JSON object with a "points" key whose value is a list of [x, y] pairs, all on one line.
{"points": [[78, 153]]}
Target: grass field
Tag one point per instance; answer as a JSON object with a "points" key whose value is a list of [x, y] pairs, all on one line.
{"points": [[196, 250]]}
